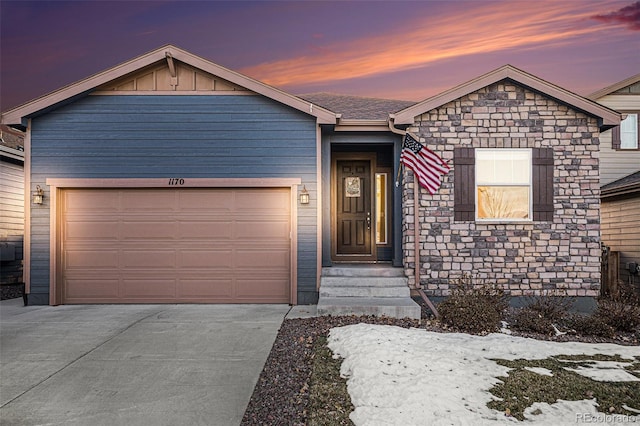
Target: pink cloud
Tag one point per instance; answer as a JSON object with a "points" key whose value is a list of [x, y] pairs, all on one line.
{"points": [[484, 29], [628, 16]]}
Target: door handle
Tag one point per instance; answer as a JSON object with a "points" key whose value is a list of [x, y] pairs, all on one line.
{"points": [[368, 220]]}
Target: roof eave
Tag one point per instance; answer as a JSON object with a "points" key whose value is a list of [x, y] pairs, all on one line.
{"points": [[16, 115], [614, 87], [609, 117], [633, 188], [14, 154]]}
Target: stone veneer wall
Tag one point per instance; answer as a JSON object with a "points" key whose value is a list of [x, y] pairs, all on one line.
{"points": [[561, 257]]}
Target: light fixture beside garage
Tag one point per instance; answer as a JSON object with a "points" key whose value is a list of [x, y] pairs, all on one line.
{"points": [[304, 195], [38, 195]]}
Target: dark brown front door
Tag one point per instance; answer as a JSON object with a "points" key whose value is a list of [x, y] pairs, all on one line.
{"points": [[354, 214]]}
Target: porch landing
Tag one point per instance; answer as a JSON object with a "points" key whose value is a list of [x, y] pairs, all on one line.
{"points": [[378, 290]]}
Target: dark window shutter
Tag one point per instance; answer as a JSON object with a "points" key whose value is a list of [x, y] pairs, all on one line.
{"points": [[464, 175], [542, 184], [615, 138]]}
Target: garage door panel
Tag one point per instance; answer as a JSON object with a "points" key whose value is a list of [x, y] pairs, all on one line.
{"points": [[271, 290], [190, 245], [87, 202], [149, 230], [148, 288], [90, 259], [214, 260], [277, 259], [96, 229], [207, 289], [200, 229], [143, 201], [157, 259], [262, 201], [255, 230], [91, 288], [213, 201]]}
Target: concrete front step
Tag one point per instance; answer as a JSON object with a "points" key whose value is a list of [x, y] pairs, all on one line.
{"points": [[395, 307], [362, 271], [363, 281], [379, 290], [364, 289]]}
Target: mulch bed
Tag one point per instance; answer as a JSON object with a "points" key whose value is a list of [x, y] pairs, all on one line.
{"points": [[11, 291], [281, 396]]}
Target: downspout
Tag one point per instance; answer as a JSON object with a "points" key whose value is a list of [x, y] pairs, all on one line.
{"points": [[26, 247], [416, 229]]}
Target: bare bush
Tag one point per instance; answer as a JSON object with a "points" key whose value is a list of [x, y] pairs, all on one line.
{"points": [[474, 308], [589, 325], [541, 313]]}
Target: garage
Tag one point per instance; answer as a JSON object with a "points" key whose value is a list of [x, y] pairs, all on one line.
{"points": [[174, 245]]}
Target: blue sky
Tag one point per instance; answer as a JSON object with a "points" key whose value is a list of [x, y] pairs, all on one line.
{"points": [[406, 50]]}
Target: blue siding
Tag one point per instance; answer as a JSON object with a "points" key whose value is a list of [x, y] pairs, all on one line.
{"points": [[174, 136]]}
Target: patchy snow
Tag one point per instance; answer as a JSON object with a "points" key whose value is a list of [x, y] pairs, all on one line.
{"points": [[416, 377], [606, 371], [540, 370]]}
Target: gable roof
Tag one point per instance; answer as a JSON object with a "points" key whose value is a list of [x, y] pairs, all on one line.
{"points": [[85, 86], [626, 185], [615, 87], [609, 118], [357, 107]]}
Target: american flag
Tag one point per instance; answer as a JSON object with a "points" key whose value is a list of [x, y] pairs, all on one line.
{"points": [[426, 165]]}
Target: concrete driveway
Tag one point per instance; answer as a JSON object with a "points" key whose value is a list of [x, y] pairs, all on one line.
{"points": [[132, 364]]}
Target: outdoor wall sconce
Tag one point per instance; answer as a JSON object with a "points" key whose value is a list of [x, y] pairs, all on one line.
{"points": [[304, 195], [38, 195]]}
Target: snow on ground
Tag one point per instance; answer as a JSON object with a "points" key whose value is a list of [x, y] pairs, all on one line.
{"points": [[606, 371], [400, 376]]}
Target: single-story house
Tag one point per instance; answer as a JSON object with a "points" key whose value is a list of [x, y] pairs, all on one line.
{"points": [[11, 206], [172, 179], [620, 177]]}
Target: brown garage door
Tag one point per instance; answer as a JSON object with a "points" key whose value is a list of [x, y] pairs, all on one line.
{"points": [[175, 245]]}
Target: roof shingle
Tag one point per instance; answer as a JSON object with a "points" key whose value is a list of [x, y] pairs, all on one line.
{"points": [[357, 107]]}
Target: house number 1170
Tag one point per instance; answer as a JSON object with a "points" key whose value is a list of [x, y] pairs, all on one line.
{"points": [[176, 181]]}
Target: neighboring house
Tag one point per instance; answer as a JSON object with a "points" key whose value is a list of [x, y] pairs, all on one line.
{"points": [[11, 205], [620, 176], [172, 179]]}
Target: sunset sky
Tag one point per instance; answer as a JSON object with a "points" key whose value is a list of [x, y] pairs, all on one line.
{"points": [[406, 50]]}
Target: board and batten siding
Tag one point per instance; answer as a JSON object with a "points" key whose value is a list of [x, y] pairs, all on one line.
{"points": [[621, 231], [174, 136], [616, 164], [11, 218]]}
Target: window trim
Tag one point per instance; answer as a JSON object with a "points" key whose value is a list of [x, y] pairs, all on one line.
{"points": [[529, 185], [382, 205], [616, 134], [544, 183]]}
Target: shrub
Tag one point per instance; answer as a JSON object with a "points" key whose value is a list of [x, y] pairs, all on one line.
{"points": [[589, 325], [541, 313], [553, 308], [473, 309], [527, 319], [620, 310], [619, 314]]}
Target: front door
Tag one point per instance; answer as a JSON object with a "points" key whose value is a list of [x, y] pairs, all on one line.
{"points": [[353, 224]]}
